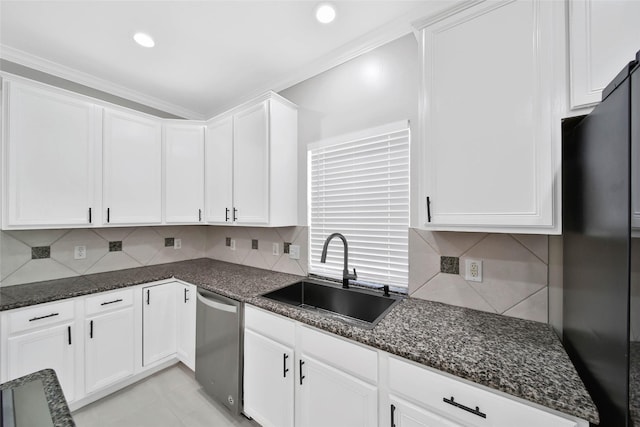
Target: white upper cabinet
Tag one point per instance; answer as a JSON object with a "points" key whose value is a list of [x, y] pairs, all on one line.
{"points": [[183, 172], [603, 36], [48, 151], [219, 170], [251, 164], [490, 111], [132, 159]]}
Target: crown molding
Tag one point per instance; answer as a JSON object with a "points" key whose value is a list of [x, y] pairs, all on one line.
{"points": [[44, 65]]}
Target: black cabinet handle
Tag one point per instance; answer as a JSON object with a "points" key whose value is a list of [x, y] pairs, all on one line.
{"points": [[44, 317], [393, 415], [185, 295], [284, 365], [226, 214], [112, 302], [91, 329], [69, 333], [301, 376], [108, 214], [90, 216], [235, 214], [464, 408], [199, 215], [428, 209], [148, 296]]}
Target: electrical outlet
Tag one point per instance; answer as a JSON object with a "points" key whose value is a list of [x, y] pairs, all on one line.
{"points": [[232, 244], [473, 270], [80, 252], [177, 243], [294, 251], [275, 248]]}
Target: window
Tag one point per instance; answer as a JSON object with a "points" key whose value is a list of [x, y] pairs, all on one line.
{"points": [[359, 186]]}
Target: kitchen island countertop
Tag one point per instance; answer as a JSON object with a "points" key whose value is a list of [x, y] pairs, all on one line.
{"points": [[519, 357]]}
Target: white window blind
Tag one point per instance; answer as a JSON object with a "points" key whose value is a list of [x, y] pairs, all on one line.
{"points": [[359, 186]]}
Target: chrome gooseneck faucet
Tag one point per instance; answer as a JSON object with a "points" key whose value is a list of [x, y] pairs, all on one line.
{"points": [[346, 276]]}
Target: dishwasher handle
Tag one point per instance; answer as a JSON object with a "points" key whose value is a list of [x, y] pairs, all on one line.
{"points": [[217, 304]]}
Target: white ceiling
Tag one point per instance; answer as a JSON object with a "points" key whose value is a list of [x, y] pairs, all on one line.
{"points": [[209, 55]]}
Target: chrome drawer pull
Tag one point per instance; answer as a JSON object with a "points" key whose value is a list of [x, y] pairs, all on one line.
{"points": [[44, 317], [112, 302], [464, 408]]}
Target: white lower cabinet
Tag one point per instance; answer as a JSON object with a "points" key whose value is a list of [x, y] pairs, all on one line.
{"points": [[327, 396], [110, 343], [159, 322], [268, 380], [186, 327], [335, 380], [41, 337], [405, 414]]}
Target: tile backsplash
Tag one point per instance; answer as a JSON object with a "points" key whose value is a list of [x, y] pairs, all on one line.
{"points": [[515, 271], [515, 267]]}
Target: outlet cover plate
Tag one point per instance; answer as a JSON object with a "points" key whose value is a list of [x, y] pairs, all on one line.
{"points": [[473, 270]]}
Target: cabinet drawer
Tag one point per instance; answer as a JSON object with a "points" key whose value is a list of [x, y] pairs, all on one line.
{"points": [[471, 405], [346, 356], [270, 325], [105, 301], [40, 315]]}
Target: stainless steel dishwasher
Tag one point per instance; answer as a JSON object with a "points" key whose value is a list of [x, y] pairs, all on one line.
{"points": [[219, 348]]}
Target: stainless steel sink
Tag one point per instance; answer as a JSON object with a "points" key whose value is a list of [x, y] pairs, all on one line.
{"points": [[355, 306]]}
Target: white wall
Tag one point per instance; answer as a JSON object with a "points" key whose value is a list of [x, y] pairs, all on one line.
{"points": [[373, 89]]}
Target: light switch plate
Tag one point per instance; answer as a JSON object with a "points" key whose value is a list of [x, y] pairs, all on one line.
{"points": [[177, 243], [294, 251], [232, 244], [275, 249]]}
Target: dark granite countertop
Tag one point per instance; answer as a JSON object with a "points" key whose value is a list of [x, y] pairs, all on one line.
{"points": [[60, 415], [519, 357]]}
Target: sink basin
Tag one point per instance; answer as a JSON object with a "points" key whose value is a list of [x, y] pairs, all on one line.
{"points": [[355, 306]]}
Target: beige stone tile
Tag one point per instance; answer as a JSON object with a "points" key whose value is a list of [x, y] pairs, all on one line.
{"points": [[452, 289], [63, 249], [266, 237], [449, 243], [424, 262], [113, 261], [143, 244], [38, 237], [534, 307], [288, 265], [290, 234], [302, 240], [13, 254], [37, 270], [536, 243], [511, 272]]}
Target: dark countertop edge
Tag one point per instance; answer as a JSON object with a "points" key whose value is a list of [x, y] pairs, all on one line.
{"points": [[321, 322], [60, 414]]}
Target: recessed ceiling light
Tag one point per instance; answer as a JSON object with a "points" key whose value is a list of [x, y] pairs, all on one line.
{"points": [[325, 13], [144, 40]]}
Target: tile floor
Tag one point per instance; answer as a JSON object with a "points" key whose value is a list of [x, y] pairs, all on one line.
{"points": [[169, 398]]}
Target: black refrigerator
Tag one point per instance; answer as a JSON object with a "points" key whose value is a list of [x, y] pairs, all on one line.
{"points": [[599, 247]]}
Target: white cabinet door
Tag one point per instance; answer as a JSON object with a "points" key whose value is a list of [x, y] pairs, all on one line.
{"points": [[51, 348], [183, 173], [219, 171], [109, 350], [132, 179], [186, 340], [159, 322], [251, 165], [269, 372], [326, 396], [405, 414], [603, 36], [491, 133], [49, 154]]}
